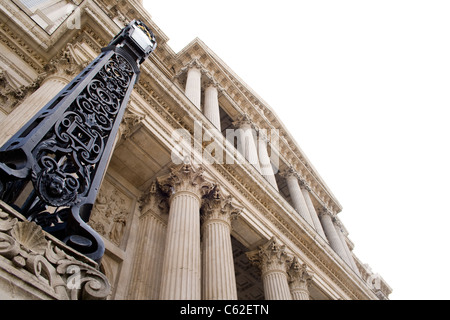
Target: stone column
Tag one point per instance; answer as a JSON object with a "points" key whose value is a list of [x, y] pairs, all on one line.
{"points": [[246, 144], [149, 253], [339, 230], [50, 87], [219, 281], [211, 110], [181, 269], [330, 231], [297, 197], [272, 260], [299, 280], [264, 159], [194, 85], [60, 71], [312, 211]]}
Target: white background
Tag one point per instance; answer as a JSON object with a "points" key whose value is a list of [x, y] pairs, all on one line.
{"points": [[363, 87]]}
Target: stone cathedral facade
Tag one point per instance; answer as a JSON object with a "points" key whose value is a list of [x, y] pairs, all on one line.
{"points": [[206, 196]]}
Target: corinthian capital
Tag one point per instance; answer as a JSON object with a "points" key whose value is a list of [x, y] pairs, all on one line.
{"points": [[290, 172], [67, 64], [218, 206], [244, 120], [299, 276], [270, 257], [188, 178], [324, 211]]}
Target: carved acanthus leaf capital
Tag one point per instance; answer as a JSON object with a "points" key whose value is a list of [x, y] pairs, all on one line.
{"points": [[324, 211], [270, 257], [219, 206], [290, 172], [130, 121], [66, 64], [299, 276], [244, 121], [188, 178], [153, 199], [305, 185]]}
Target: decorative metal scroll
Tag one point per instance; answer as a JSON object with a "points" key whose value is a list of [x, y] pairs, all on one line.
{"points": [[51, 170]]}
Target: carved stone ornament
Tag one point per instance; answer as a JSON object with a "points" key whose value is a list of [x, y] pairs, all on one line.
{"points": [[185, 177], [270, 257], [60, 275], [299, 277], [243, 121], [154, 200], [10, 95], [218, 206], [110, 213], [290, 172], [130, 121]]}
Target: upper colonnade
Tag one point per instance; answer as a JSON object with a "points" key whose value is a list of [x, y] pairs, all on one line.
{"points": [[286, 197]]}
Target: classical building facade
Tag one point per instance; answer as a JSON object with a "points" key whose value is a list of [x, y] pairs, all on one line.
{"points": [[206, 196]]}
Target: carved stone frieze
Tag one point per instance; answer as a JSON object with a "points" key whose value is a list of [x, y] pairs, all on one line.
{"points": [[62, 275], [110, 213]]}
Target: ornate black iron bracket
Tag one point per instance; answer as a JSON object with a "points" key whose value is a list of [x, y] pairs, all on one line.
{"points": [[52, 168]]}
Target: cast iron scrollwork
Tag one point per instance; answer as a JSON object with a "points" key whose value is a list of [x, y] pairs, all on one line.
{"points": [[67, 158], [51, 169]]}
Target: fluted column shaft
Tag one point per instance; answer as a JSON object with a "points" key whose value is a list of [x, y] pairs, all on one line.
{"points": [[49, 88], [218, 277], [276, 286], [266, 166], [181, 270], [332, 236], [149, 257], [313, 212], [219, 282], [211, 111], [299, 292], [247, 145], [193, 86], [297, 198]]}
